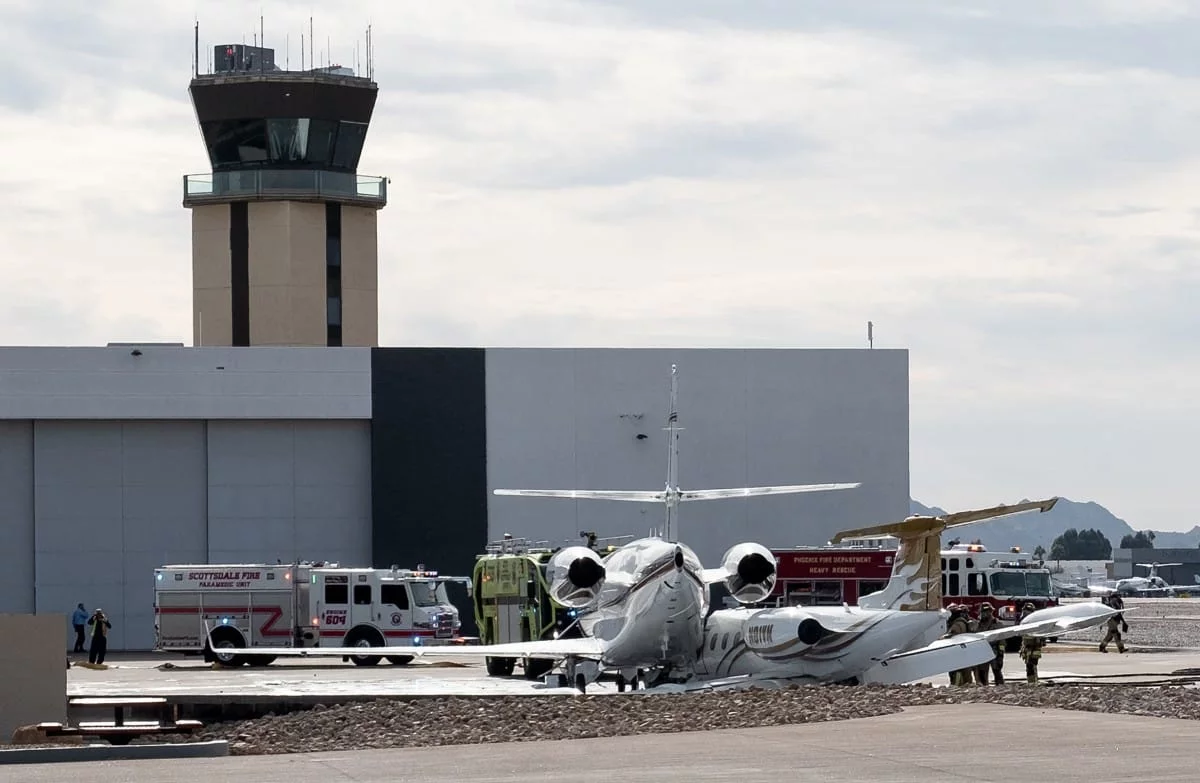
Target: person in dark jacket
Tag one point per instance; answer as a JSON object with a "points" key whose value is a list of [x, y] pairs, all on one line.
{"points": [[100, 628]]}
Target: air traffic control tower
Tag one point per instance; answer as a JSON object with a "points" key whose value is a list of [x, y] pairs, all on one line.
{"points": [[284, 248]]}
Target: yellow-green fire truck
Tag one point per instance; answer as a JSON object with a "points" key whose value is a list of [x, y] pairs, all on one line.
{"points": [[512, 600]]}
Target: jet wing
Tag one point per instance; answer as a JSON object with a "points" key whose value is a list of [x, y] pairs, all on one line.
{"points": [[1054, 621], [555, 649], [940, 657], [551, 649]]}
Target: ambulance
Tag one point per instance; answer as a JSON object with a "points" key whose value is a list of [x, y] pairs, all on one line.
{"points": [[306, 604]]}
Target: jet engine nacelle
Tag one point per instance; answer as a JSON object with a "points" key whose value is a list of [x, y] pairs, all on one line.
{"points": [[751, 572], [772, 629], [576, 575]]}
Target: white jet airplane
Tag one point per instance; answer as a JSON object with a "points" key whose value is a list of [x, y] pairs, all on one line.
{"points": [[643, 605], [892, 636], [1152, 584]]}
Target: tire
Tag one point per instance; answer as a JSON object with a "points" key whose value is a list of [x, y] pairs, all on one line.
{"points": [[224, 639], [364, 637], [537, 668], [400, 660], [500, 667]]}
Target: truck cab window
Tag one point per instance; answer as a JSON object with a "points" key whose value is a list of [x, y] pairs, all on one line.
{"points": [[393, 595], [362, 595], [337, 594]]}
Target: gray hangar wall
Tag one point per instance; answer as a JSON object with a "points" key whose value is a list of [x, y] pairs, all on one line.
{"points": [[93, 499], [115, 499], [571, 419]]}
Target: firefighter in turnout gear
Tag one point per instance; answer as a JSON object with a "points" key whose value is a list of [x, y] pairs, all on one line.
{"points": [[959, 622], [988, 622], [1031, 648], [1115, 625]]}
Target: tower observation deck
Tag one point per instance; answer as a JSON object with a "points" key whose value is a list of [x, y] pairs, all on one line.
{"points": [[284, 228]]}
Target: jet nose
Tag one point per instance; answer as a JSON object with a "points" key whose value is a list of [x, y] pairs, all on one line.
{"points": [[679, 557]]}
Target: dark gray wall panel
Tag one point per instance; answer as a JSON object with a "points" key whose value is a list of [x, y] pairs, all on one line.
{"points": [[429, 457], [16, 517]]}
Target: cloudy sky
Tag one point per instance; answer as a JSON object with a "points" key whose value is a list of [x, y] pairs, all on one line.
{"points": [[1005, 189]]}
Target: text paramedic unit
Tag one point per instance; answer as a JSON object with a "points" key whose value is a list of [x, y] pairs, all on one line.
{"points": [[301, 605]]}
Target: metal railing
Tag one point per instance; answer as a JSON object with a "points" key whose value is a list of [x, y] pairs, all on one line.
{"points": [[256, 184]]}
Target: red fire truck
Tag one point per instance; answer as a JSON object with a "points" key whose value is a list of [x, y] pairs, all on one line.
{"points": [[970, 575]]}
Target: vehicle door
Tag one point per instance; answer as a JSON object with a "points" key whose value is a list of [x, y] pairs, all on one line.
{"points": [[363, 611], [395, 606], [333, 608]]}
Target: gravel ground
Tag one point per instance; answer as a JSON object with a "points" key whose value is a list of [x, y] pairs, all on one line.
{"points": [[1155, 622], [458, 721]]}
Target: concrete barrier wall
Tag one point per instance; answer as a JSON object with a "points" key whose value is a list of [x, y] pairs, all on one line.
{"points": [[33, 671]]}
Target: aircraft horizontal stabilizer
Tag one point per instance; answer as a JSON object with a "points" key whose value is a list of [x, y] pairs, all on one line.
{"points": [[930, 524], [655, 496], [745, 492], [633, 496], [944, 655]]}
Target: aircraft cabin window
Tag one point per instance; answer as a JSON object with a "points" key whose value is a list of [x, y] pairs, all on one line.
{"points": [[712, 642], [737, 637], [724, 641]]}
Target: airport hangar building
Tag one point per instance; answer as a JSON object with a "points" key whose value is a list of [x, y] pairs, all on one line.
{"points": [[116, 460]]}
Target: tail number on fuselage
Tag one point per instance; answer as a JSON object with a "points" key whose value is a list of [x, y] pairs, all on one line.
{"points": [[759, 635]]}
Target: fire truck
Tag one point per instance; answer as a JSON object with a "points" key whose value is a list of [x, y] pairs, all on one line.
{"points": [[306, 604], [512, 599], [971, 575]]}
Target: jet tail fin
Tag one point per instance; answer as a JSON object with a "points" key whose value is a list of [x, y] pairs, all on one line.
{"points": [[916, 581]]}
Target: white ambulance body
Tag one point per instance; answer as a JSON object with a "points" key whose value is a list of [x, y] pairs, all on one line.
{"points": [[300, 605]]}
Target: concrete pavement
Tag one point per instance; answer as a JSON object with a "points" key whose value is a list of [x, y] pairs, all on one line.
{"points": [[294, 677], [921, 745]]}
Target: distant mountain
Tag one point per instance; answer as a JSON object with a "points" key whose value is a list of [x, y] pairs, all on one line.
{"points": [[1030, 530]]}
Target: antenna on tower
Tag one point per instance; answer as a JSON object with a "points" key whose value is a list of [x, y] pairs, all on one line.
{"points": [[196, 55], [870, 335]]}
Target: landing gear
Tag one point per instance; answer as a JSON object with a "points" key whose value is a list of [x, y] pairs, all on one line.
{"points": [[579, 673], [633, 682]]}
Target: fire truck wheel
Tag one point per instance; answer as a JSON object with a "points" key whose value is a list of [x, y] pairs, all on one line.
{"points": [[500, 667], [224, 639], [537, 668], [364, 637], [400, 660]]}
